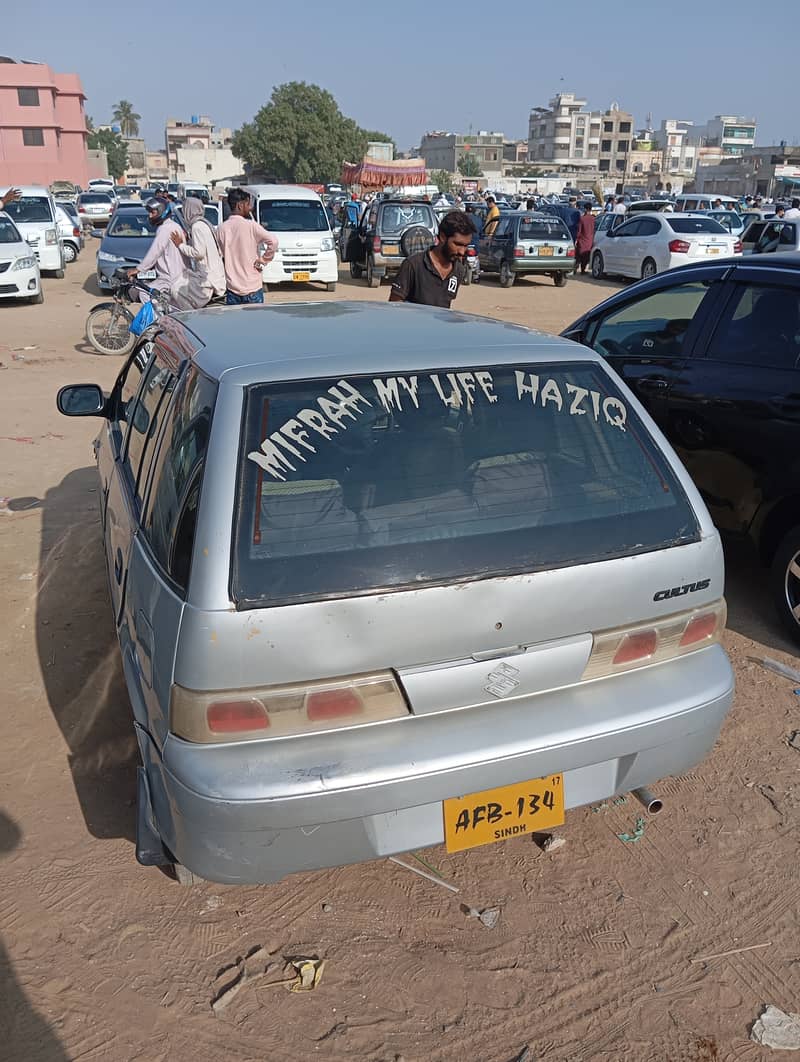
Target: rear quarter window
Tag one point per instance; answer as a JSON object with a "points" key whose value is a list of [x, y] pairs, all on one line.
{"points": [[349, 486]]}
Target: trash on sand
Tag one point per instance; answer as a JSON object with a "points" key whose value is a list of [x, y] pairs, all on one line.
{"points": [[247, 972], [552, 842], [776, 1029], [34, 347], [489, 916], [776, 666], [26, 577], [308, 974], [638, 832], [524, 1056], [732, 951], [793, 740], [424, 874]]}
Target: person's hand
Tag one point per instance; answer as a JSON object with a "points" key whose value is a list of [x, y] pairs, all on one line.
{"points": [[177, 238], [11, 196], [132, 272]]}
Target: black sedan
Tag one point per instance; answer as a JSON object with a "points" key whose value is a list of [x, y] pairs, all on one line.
{"points": [[124, 244], [713, 352]]}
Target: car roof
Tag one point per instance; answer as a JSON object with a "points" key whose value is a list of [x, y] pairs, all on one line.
{"points": [[314, 339], [280, 191]]}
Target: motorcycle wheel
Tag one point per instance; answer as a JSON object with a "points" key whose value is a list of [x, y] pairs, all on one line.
{"points": [[107, 330]]}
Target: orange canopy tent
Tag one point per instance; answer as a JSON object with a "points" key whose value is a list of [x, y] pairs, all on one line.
{"points": [[373, 175]]}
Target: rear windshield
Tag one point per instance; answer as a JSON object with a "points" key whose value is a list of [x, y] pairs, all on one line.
{"points": [[695, 225], [348, 486], [543, 229], [292, 215], [94, 197], [8, 231], [30, 208], [397, 217]]}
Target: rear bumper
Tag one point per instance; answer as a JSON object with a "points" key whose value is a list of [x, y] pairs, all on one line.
{"points": [[543, 265], [256, 812]]}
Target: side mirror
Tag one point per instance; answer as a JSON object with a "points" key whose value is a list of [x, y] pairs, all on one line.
{"points": [[98, 233], [81, 400]]}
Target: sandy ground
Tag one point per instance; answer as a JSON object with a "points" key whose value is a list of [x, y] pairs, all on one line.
{"points": [[592, 958]]}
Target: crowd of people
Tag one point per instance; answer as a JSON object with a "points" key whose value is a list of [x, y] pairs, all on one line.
{"points": [[196, 264]]}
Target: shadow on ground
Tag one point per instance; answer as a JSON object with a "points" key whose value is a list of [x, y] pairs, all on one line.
{"points": [[750, 608], [24, 1034], [79, 657]]}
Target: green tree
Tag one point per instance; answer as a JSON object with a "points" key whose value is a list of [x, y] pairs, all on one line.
{"points": [[115, 148], [442, 179], [468, 166], [127, 117], [301, 135]]}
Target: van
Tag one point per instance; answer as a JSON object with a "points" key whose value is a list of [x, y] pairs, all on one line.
{"points": [[306, 251], [705, 201], [34, 214], [195, 189]]}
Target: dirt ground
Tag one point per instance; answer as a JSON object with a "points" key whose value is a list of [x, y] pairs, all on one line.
{"points": [[595, 955]]}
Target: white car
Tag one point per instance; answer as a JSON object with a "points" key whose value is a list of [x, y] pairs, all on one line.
{"points": [[19, 270], [69, 233], [34, 215], [652, 243]]}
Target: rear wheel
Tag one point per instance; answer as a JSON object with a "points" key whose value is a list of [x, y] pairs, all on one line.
{"points": [[649, 269], [598, 266], [70, 254], [785, 583], [559, 279], [372, 280], [107, 330], [506, 276], [355, 271]]}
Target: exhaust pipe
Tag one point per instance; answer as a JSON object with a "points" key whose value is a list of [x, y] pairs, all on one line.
{"points": [[653, 803]]}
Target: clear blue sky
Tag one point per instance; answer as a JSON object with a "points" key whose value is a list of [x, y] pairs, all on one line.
{"points": [[410, 67]]}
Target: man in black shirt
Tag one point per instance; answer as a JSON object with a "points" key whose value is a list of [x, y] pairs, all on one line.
{"points": [[432, 278]]}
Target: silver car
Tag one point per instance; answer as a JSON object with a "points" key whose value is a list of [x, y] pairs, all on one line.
{"points": [[397, 577], [95, 207]]}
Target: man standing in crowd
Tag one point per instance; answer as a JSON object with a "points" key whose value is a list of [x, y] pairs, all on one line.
{"points": [[433, 277], [572, 217], [584, 239], [793, 211], [492, 216], [239, 238], [619, 206], [163, 256]]}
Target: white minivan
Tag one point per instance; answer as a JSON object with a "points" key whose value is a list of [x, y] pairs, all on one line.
{"points": [[34, 214], [705, 201], [307, 250]]}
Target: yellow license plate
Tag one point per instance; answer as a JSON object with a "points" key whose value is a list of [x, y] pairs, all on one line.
{"points": [[546, 252], [496, 814], [391, 248], [300, 278], [712, 250]]}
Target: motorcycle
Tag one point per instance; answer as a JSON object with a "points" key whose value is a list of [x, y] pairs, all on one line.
{"points": [[472, 266]]}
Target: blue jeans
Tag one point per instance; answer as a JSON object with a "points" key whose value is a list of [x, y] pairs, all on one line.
{"points": [[232, 299]]}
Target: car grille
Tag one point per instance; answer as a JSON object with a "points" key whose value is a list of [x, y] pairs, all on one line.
{"points": [[304, 260], [4, 266], [8, 289]]}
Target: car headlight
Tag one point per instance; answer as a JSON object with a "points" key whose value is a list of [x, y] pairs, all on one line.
{"points": [[103, 256], [51, 236], [25, 263], [326, 244]]}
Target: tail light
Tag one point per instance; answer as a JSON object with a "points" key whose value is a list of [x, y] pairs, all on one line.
{"points": [[376, 244], [76, 231], [571, 252], [519, 252], [284, 711], [679, 246], [738, 247], [81, 210], [471, 252], [626, 648]]}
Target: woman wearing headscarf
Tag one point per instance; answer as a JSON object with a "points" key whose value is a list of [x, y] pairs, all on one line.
{"points": [[205, 279]]}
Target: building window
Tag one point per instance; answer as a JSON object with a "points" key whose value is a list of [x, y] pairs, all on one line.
{"points": [[605, 145], [28, 97], [622, 145], [603, 165], [621, 165], [581, 122], [608, 127], [33, 137], [209, 167], [578, 153], [578, 141], [624, 127]]}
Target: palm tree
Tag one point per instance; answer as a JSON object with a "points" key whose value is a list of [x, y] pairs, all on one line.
{"points": [[127, 117]]}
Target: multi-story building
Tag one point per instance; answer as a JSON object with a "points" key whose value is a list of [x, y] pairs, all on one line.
{"points": [[444, 151], [730, 132], [42, 125], [564, 134], [679, 141], [616, 142], [198, 151]]}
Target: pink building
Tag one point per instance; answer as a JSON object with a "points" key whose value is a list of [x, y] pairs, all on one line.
{"points": [[42, 125]]}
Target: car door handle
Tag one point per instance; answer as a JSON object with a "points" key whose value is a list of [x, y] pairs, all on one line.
{"points": [[653, 383], [118, 565]]}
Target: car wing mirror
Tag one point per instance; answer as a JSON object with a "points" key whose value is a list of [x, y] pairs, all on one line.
{"points": [[81, 400]]}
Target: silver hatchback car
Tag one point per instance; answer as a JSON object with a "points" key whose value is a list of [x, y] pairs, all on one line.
{"points": [[387, 576]]}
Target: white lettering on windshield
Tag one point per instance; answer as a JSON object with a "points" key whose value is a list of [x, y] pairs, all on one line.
{"points": [[614, 410]]}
